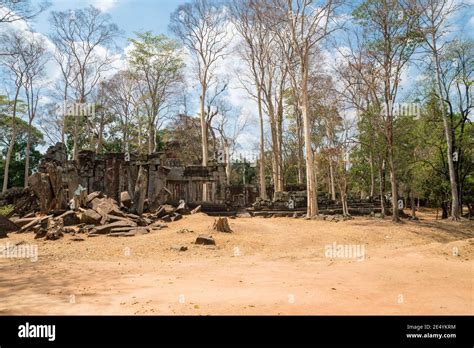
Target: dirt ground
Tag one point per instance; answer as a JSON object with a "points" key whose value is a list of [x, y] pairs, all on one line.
{"points": [[266, 266]]}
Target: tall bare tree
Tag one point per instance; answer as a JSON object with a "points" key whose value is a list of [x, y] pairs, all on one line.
{"points": [[86, 36], [20, 10], [157, 66], [249, 21], [434, 25], [202, 27], [308, 24], [17, 64], [35, 56]]}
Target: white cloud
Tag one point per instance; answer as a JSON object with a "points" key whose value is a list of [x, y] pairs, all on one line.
{"points": [[104, 5], [471, 22]]}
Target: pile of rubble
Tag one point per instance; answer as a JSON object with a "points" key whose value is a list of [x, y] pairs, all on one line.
{"points": [[92, 215]]}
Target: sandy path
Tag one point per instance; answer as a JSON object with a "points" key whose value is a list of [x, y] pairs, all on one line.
{"points": [[267, 266]]}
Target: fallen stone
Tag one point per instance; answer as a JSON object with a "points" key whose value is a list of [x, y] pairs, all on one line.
{"points": [[38, 220], [77, 239], [185, 230], [179, 247], [71, 229], [41, 233], [122, 229], [104, 229], [90, 217], [23, 221], [176, 217], [140, 230], [104, 205], [6, 225], [121, 234], [70, 218], [166, 218], [55, 229], [182, 208], [205, 240], [196, 210], [125, 199], [93, 195]]}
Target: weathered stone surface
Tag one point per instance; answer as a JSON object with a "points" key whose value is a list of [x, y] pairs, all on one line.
{"points": [[70, 218], [38, 220], [104, 229], [176, 217], [166, 218], [104, 205], [122, 229], [125, 199], [93, 195], [6, 225], [196, 210], [179, 247], [185, 230], [205, 240], [140, 230], [121, 234], [39, 183], [182, 208], [90, 216], [23, 221], [54, 229], [40, 233]]}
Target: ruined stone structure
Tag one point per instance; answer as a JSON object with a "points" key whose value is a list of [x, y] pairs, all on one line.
{"points": [[113, 173]]}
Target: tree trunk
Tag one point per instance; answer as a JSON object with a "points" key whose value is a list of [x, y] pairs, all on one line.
{"points": [[393, 182], [263, 186], [228, 167], [413, 207], [331, 179], [372, 176], [382, 188], [27, 156], [299, 127], [75, 146], [151, 137], [12, 141], [391, 163], [447, 131], [204, 138], [312, 208]]}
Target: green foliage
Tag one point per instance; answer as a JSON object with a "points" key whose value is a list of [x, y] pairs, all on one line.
{"points": [[6, 209], [17, 162]]}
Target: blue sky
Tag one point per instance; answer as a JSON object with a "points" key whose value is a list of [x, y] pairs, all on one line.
{"points": [[130, 15]]}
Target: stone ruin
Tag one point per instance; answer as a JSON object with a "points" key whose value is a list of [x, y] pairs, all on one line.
{"points": [[58, 180]]}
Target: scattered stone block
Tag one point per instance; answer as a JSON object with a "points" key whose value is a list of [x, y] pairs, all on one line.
{"points": [[54, 229], [205, 240], [196, 210], [179, 247]]}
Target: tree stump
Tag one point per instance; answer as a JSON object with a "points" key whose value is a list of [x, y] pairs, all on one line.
{"points": [[222, 225]]}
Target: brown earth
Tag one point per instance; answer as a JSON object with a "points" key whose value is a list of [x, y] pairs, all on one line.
{"points": [[266, 266]]}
